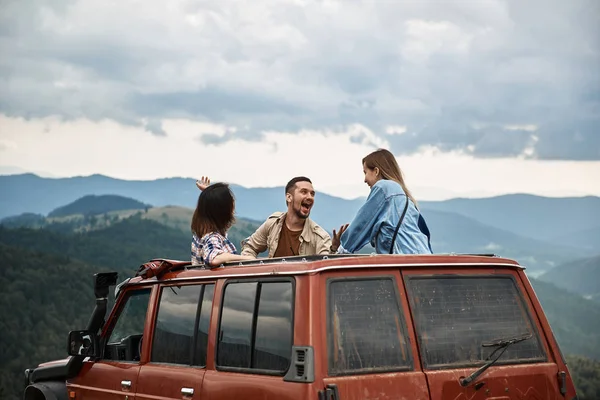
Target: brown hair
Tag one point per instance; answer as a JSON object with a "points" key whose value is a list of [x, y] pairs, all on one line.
{"points": [[292, 183], [214, 212], [388, 167]]}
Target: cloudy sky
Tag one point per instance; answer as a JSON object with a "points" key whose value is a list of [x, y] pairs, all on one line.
{"points": [[475, 98]]}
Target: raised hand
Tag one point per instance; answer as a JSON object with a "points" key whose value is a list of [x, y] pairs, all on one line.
{"points": [[203, 183], [335, 240]]}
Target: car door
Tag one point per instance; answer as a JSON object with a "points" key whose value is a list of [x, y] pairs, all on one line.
{"points": [[179, 343], [114, 375], [370, 343], [252, 350], [465, 318]]}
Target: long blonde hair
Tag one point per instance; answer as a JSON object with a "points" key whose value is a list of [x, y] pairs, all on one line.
{"points": [[385, 161]]}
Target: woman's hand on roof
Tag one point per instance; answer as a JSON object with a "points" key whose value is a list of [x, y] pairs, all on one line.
{"points": [[203, 183]]}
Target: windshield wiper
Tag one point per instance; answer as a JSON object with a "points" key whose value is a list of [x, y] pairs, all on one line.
{"points": [[501, 344]]}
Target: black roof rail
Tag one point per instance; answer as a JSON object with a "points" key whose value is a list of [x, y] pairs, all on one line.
{"points": [[471, 254]]}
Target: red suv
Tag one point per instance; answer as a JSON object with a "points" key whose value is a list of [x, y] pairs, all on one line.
{"points": [[314, 328]]}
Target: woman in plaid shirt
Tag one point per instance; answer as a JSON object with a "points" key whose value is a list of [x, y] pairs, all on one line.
{"points": [[212, 218]]}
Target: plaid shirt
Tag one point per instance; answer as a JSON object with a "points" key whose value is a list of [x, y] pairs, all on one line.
{"points": [[212, 244]]}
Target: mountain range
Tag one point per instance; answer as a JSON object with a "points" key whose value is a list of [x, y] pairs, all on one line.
{"points": [[539, 232]]}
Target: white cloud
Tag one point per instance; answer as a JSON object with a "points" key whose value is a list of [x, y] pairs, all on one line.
{"points": [[395, 130], [492, 246], [426, 38], [6, 145], [528, 127], [529, 150]]}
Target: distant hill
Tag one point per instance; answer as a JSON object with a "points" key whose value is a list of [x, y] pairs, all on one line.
{"points": [[588, 239], [580, 276], [539, 218], [124, 243], [29, 220], [542, 218], [122, 246], [575, 321], [452, 232], [31, 193], [94, 205]]}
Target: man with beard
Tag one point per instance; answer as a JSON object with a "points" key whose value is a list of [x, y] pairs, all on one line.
{"points": [[293, 233]]}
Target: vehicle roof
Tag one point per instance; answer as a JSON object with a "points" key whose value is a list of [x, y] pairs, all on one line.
{"points": [[299, 265]]}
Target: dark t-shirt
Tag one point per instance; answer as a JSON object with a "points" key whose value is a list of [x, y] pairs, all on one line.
{"points": [[289, 242]]}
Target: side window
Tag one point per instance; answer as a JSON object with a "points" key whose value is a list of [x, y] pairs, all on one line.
{"points": [[204, 324], [273, 338], [182, 325], [124, 342], [366, 330], [235, 331], [256, 326], [455, 316]]}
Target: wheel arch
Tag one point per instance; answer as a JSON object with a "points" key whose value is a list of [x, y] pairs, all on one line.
{"points": [[51, 390]]}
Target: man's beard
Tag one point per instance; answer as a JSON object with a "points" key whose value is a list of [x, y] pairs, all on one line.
{"points": [[301, 215]]}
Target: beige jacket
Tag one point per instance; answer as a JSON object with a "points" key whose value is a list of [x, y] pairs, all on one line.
{"points": [[313, 239]]}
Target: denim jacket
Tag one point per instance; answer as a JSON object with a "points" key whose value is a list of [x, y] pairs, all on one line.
{"points": [[377, 219]]}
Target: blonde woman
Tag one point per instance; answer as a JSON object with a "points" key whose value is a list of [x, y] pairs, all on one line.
{"points": [[390, 219]]}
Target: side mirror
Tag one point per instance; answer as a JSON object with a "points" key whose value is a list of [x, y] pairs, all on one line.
{"points": [[83, 343]]}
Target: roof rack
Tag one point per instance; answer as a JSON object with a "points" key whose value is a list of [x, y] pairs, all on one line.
{"points": [[159, 266]]}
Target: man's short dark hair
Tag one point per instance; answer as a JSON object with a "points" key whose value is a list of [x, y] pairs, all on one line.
{"points": [[292, 183]]}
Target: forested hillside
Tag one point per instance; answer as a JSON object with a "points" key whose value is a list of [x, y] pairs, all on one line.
{"points": [[580, 276], [574, 320], [43, 297], [46, 278], [586, 374]]}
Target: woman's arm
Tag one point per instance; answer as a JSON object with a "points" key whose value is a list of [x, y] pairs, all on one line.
{"points": [[359, 233], [228, 257], [216, 252]]}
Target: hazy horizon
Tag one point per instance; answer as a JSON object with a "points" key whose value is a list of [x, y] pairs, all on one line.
{"points": [[327, 190]]}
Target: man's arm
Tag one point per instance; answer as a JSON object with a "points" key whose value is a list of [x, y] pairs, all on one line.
{"points": [[257, 242]]}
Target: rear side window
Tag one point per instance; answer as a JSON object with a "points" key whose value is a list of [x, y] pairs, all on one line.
{"points": [[255, 332], [366, 329], [455, 316], [182, 325]]}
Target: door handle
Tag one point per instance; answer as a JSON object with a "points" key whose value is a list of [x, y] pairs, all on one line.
{"points": [[125, 384], [187, 391]]}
